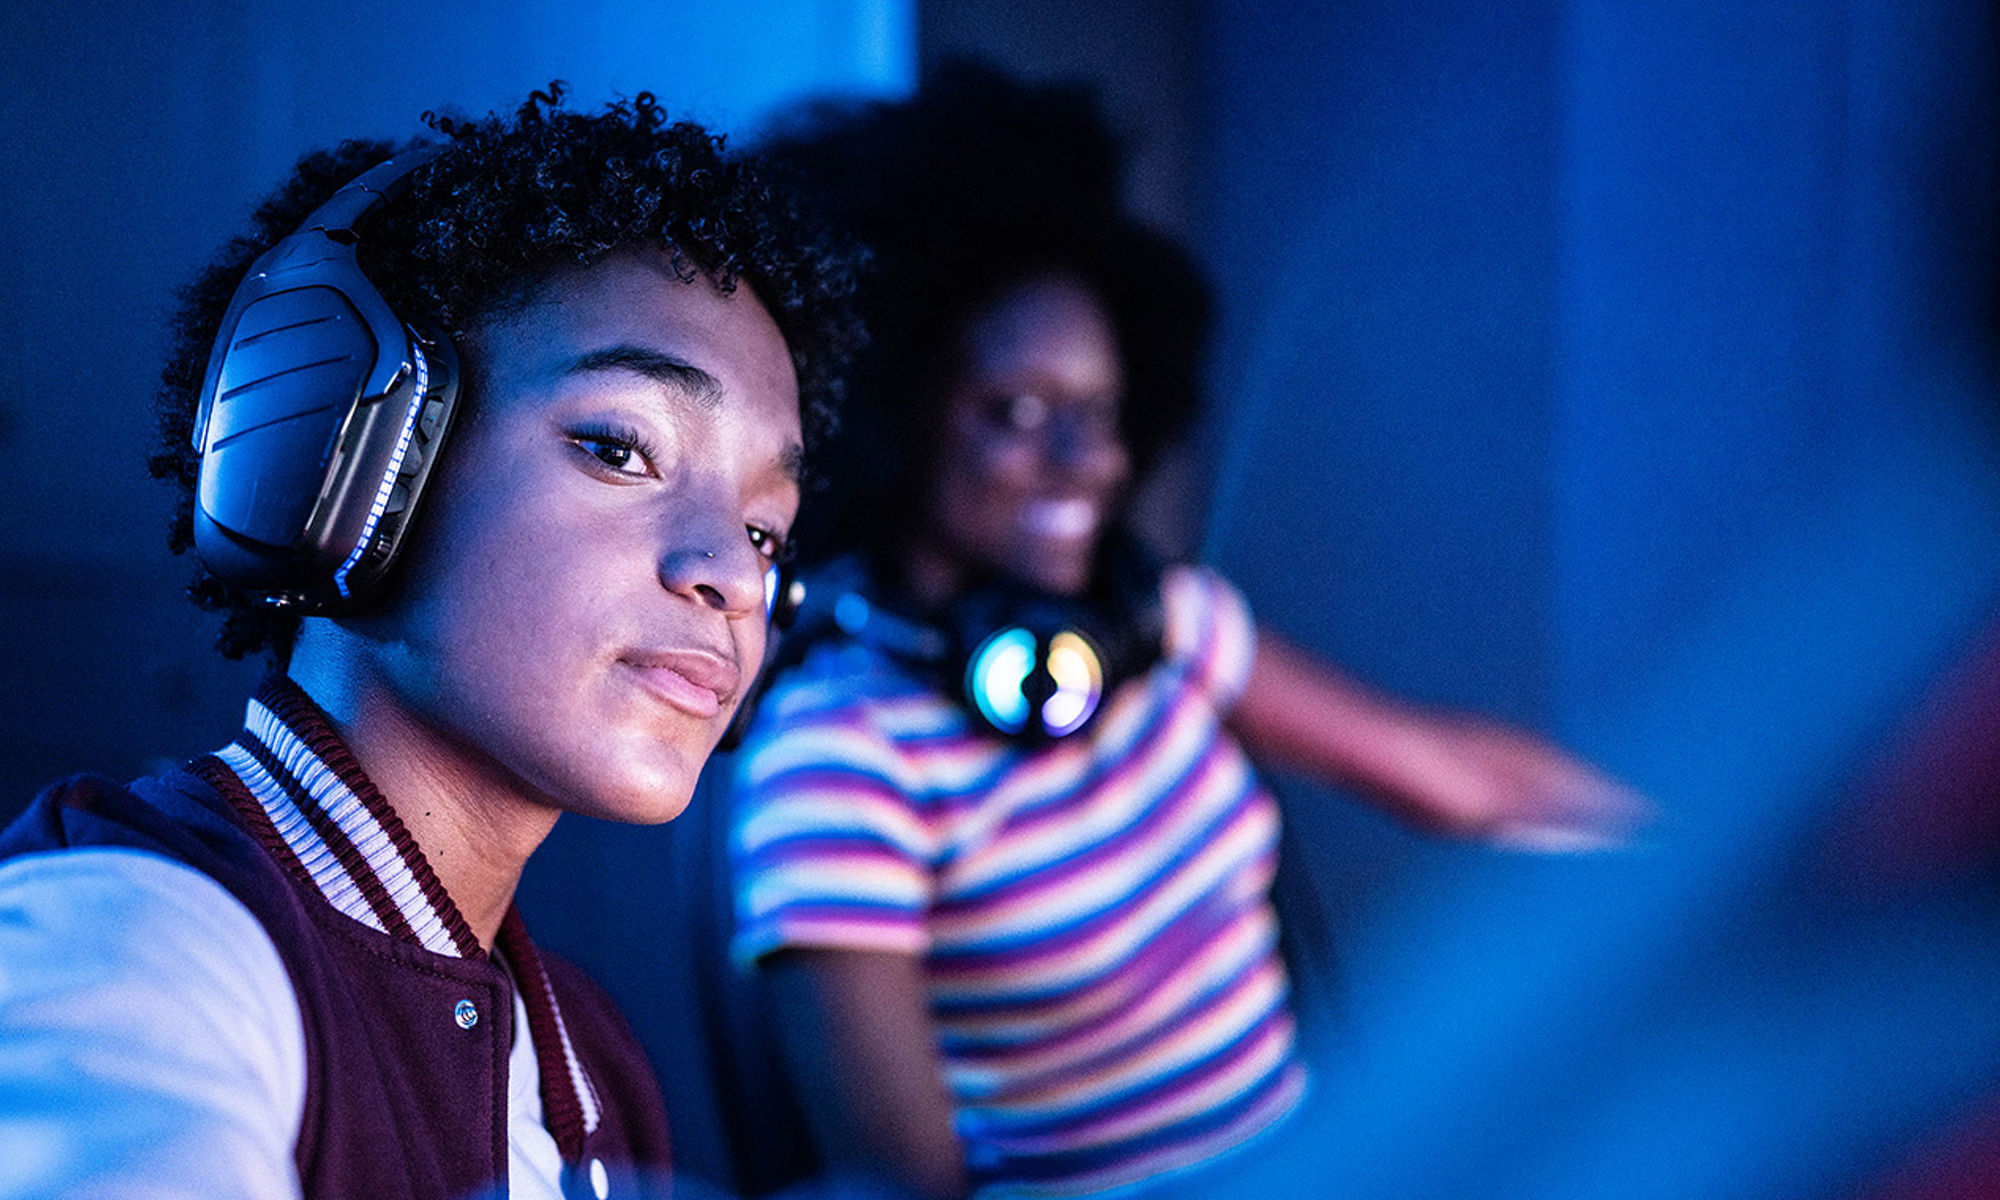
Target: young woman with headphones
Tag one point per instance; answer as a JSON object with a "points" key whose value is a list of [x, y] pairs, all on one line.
{"points": [[493, 450]]}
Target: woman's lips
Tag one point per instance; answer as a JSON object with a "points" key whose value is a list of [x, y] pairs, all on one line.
{"points": [[696, 682]]}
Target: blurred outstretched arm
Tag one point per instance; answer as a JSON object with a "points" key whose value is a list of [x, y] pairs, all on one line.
{"points": [[1443, 772]]}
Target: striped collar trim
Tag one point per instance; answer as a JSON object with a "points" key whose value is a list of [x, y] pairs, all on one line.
{"points": [[334, 827], [570, 1102], [307, 799]]}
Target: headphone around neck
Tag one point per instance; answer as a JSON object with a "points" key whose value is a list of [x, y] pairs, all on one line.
{"points": [[1028, 665], [322, 414]]}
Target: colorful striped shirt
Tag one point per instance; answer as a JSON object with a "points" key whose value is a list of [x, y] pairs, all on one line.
{"points": [[1093, 916]]}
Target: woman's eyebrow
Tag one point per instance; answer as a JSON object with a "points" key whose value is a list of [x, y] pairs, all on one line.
{"points": [[792, 463], [684, 377], [698, 385]]}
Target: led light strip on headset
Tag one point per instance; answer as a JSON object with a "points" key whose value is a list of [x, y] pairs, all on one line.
{"points": [[395, 469]]}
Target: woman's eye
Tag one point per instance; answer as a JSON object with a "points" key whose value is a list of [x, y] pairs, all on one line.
{"points": [[619, 454], [771, 545], [1023, 412]]}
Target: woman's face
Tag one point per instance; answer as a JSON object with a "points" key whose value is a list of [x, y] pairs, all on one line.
{"points": [[587, 603], [1030, 462]]}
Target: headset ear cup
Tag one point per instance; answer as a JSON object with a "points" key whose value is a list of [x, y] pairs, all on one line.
{"points": [[292, 358], [321, 414], [1037, 667]]}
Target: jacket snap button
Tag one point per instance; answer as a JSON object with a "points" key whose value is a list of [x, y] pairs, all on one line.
{"points": [[467, 1013], [600, 1182]]}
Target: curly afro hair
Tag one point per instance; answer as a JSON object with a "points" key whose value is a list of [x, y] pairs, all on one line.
{"points": [[977, 183], [506, 203]]}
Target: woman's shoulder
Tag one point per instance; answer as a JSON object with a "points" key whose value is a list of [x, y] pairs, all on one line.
{"points": [[1208, 628], [1194, 600], [841, 679]]}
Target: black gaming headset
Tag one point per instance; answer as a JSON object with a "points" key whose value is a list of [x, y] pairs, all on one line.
{"points": [[322, 414]]}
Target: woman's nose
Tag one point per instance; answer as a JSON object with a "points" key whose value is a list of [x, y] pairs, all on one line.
{"points": [[716, 566]]}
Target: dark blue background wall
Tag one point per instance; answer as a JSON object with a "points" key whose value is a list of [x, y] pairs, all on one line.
{"points": [[1626, 369]]}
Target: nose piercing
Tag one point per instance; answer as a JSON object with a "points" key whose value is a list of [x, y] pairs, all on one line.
{"points": [[708, 554]]}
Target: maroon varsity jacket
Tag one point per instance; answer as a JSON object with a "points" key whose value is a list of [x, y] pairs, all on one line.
{"points": [[408, 1023]]}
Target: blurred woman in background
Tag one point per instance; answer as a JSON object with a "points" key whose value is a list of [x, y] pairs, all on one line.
{"points": [[1000, 854]]}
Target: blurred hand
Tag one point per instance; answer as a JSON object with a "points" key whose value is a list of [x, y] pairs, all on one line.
{"points": [[1473, 778]]}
